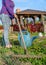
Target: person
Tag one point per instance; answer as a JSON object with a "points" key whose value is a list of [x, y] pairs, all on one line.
{"points": [[6, 16]]}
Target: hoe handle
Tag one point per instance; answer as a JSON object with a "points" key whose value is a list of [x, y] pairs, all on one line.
{"points": [[21, 35]]}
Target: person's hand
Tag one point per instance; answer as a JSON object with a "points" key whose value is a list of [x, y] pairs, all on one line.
{"points": [[15, 16]]}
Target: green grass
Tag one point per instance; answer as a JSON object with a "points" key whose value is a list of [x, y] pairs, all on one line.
{"points": [[38, 48]]}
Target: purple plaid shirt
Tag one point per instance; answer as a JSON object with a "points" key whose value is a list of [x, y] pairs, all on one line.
{"points": [[8, 8]]}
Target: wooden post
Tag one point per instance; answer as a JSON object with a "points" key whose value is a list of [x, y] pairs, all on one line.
{"points": [[35, 19], [21, 21], [42, 18], [44, 23]]}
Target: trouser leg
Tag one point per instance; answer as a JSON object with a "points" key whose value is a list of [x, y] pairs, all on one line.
{"points": [[6, 25]]}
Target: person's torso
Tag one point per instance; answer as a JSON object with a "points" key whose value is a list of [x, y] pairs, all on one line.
{"points": [[4, 9]]}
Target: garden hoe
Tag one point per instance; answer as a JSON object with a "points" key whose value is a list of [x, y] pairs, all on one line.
{"points": [[25, 49]]}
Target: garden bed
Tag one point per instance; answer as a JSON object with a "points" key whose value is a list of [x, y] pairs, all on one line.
{"points": [[37, 53]]}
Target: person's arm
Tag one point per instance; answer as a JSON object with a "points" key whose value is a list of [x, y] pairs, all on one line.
{"points": [[8, 8]]}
